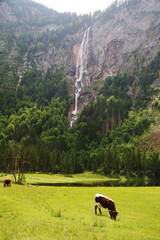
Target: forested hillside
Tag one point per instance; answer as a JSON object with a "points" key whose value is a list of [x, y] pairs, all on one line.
{"points": [[35, 132], [112, 131]]}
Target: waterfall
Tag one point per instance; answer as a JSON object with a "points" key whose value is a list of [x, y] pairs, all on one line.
{"points": [[82, 75], [22, 69]]}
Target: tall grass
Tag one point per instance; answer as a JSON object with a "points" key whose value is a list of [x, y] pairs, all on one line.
{"points": [[66, 213]]}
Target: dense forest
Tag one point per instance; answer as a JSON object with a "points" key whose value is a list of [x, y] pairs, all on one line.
{"points": [[35, 132]]}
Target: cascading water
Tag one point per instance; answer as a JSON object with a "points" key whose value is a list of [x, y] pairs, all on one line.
{"points": [[82, 75]]}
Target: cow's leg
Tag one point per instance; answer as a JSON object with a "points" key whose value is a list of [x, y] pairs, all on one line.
{"points": [[110, 212], [99, 208], [95, 207]]}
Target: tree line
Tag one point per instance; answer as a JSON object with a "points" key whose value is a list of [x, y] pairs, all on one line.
{"points": [[106, 138]]}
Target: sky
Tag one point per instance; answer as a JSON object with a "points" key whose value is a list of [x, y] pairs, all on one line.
{"points": [[78, 6]]}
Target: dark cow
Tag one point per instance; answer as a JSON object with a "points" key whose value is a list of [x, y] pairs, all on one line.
{"points": [[7, 182], [105, 202]]}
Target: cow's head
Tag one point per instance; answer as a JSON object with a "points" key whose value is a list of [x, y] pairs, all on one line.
{"points": [[113, 214]]}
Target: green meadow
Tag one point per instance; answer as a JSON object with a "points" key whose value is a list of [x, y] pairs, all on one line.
{"points": [[67, 213], [83, 178]]}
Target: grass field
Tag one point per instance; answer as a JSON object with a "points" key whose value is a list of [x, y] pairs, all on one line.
{"points": [[66, 213], [85, 178]]}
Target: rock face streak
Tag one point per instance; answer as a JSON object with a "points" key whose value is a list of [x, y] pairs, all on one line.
{"points": [[82, 77]]}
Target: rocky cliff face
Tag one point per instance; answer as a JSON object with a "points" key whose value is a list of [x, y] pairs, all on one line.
{"points": [[116, 43], [6, 13], [129, 30], [131, 36]]}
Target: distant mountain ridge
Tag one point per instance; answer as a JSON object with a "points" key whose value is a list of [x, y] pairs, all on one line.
{"points": [[122, 39]]}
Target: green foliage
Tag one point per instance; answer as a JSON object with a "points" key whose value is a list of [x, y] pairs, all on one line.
{"points": [[39, 127], [24, 41], [146, 77], [105, 137]]}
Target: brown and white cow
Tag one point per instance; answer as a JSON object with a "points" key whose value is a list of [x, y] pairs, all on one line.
{"points": [[105, 202], [7, 182]]}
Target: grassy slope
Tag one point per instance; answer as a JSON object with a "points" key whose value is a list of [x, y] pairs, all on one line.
{"points": [[67, 213], [86, 177]]}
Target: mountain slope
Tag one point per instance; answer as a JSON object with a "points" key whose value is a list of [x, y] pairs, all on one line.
{"points": [[102, 71], [124, 38]]}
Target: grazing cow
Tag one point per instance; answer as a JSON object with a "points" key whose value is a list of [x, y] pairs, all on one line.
{"points": [[105, 202], [7, 182]]}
